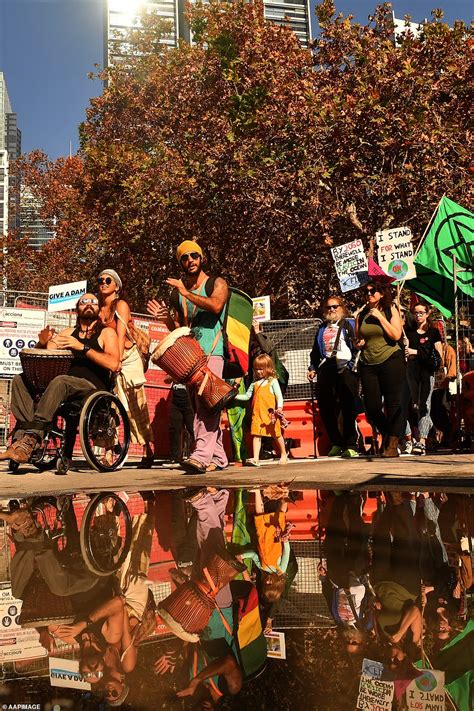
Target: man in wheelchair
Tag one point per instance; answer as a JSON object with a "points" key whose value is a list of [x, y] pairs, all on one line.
{"points": [[96, 356]]}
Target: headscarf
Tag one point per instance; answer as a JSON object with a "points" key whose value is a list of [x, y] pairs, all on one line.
{"points": [[187, 246], [112, 273]]}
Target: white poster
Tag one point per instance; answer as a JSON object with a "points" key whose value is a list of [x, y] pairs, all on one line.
{"points": [[261, 308], [276, 647], [374, 694], [426, 692], [351, 265], [19, 329], [16, 642], [65, 672], [395, 253], [63, 297]]}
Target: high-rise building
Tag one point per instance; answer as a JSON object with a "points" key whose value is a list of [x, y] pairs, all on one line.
{"points": [[119, 15], [32, 224], [10, 144]]}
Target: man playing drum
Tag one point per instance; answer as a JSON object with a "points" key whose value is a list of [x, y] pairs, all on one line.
{"points": [[199, 302], [96, 356]]}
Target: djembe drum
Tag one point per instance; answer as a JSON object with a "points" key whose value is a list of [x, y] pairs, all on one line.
{"points": [[183, 359], [41, 366], [188, 609]]}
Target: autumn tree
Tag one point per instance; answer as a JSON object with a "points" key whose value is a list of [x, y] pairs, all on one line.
{"points": [[265, 152]]}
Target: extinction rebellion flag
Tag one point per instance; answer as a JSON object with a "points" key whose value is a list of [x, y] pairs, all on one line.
{"points": [[451, 234]]}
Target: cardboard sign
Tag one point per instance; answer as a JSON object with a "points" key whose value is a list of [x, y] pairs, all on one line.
{"points": [[65, 672], [261, 308], [19, 329], [395, 253], [374, 694], [372, 669], [63, 297], [426, 692], [351, 265], [16, 642], [276, 647]]}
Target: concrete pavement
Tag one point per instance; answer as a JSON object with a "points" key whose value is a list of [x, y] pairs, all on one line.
{"points": [[443, 472]]}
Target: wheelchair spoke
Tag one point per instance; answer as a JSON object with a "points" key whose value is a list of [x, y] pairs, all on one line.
{"points": [[104, 431]]}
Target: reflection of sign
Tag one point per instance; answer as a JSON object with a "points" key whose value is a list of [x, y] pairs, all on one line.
{"points": [[19, 329], [426, 692], [16, 642], [276, 648], [351, 265], [261, 308], [395, 252], [65, 672], [372, 669], [63, 297], [374, 694]]}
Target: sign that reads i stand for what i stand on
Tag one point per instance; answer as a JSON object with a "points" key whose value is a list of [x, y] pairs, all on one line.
{"points": [[351, 265], [395, 253]]}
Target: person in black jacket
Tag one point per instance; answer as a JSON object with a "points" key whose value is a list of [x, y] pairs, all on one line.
{"points": [[331, 362]]}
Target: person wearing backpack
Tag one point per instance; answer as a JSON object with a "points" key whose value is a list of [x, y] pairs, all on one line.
{"points": [[331, 363], [423, 353], [382, 369], [199, 301]]}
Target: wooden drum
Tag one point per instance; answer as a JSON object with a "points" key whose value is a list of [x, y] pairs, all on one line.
{"points": [[186, 611], [41, 366], [219, 571], [179, 355], [213, 392]]}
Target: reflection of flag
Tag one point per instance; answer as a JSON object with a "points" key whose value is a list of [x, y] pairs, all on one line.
{"points": [[450, 234]]}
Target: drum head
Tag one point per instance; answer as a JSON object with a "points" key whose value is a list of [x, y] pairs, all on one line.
{"points": [[43, 352], [169, 341]]}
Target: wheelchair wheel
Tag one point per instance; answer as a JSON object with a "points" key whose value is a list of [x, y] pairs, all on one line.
{"points": [[106, 533], [47, 455], [104, 431]]}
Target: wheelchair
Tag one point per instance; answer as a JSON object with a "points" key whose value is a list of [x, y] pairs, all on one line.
{"points": [[100, 419]]}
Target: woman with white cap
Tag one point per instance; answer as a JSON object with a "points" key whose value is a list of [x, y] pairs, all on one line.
{"points": [[115, 312]]}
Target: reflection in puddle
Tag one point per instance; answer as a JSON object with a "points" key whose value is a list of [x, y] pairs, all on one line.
{"points": [[267, 598]]}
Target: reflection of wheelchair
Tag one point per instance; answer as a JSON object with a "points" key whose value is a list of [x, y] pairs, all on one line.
{"points": [[101, 419]]}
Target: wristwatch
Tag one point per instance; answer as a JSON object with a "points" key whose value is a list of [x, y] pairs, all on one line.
{"points": [[86, 349]]}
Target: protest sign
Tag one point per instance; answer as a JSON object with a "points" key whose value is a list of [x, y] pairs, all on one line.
{"points": [[276, 647], [261, 308], [372, 669], [395, 253], [19, 329], [63, 297], [65, 672], [426, 692], [16, 642], [351, 265], [374, 694]]}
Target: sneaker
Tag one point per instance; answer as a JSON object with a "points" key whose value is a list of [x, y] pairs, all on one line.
{"points": [[407, 447], [335, 451], [20, 451], [252, 463], [350, 454], [419, 449]]}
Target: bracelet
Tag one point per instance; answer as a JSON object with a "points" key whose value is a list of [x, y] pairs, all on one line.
{"points": [[85, 350]]}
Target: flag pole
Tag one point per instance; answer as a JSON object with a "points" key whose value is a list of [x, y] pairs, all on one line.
{"points": [[427, 229], [456, 336]]}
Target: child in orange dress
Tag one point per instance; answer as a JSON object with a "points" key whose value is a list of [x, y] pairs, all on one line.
{"points": [[267, 407]]}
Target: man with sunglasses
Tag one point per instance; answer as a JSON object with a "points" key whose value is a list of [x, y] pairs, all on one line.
{"points": [[96, 357], [199, 301]]}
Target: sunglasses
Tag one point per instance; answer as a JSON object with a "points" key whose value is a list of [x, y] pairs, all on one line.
{"points": [[332, 307], [371, 291], [94, 301], [421, 313], [93, 674], [105, 280], [190, 255]]}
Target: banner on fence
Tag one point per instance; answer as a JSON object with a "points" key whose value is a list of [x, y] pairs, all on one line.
{"points": [[395, 252], [65, 673], [16, 642], [351, 265], [63, 297], [19, 329]]}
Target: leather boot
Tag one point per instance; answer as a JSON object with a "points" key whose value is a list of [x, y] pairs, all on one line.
{"points": [[391, 447]]}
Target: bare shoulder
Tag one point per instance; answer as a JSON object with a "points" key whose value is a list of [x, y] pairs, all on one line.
{"points": [[220, 282], [107, 335], [123, 308]]}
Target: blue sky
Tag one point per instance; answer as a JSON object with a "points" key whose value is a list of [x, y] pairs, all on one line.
{"points": [[47, 47]]}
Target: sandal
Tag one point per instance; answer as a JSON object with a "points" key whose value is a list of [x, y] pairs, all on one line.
{"points": [[212, 467]]}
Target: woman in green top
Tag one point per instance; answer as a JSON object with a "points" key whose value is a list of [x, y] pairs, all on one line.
{"points": [[382, 369]]}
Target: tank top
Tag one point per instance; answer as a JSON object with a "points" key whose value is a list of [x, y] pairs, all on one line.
{"points": [[204, 324], [82, 367], [378, 346]]}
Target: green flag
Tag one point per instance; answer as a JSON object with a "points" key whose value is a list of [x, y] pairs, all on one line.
{"points": [[451, 234]]}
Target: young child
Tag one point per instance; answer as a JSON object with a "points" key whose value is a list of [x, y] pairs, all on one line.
{"points": [[267, 414], [273, 548]]}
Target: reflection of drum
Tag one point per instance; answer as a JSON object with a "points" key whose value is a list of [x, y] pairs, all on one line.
{"points": [[40, 366], [181, 356], [188, 609]]}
